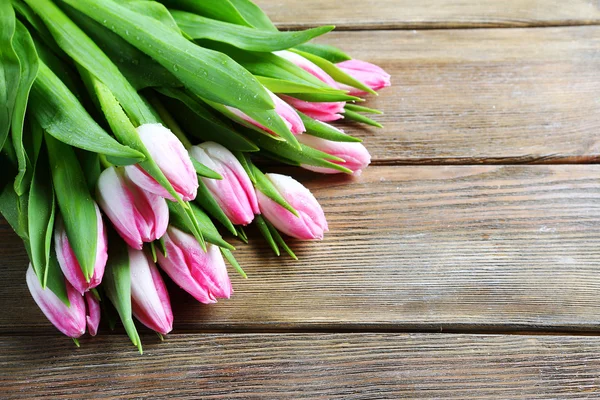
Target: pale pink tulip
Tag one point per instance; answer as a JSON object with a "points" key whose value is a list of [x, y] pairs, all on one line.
{"points": [[308, 66], [356, 157], [201, 274], [68, 262], [173, 160], [288, 115], [69, 320], [138, 215], [311, 223], [92, 315], [150, 302], [325, 112], [369, 74], [234, 193]]}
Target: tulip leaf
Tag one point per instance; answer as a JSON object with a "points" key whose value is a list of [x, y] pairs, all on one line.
{"points": [[76, 205], [204, 171], [10, 73], [209, 231], [243, 37], [180, 217], [354, 116], [234, 263], [56, 280], [325, 131], [264, 230], [277, 236], [325, 97], [35, 21], [357, 108], [41, 218], [276, 85], [117, 284], [222, 10], [242, 234], [206, 200], [28, 60], [333, 71], [328, 52], [153, 10], [197, 120], [11, 211], [251, 12], [268, 189], [243, 159]]}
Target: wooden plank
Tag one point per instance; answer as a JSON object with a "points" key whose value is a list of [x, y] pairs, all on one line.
{"points": [[473, 248], [316, 366], [408, 14], [483, 96]]}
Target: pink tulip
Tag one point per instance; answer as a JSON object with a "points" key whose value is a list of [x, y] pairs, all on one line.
{"points": [[308, 66], [68, 262], [289, 116], [138, 215], [201, 274], [173, 160], [149, 297], [369, 74], [325, 112], [311, 223], [355, 155], [92, 316], [69, 320], [234, 193]]}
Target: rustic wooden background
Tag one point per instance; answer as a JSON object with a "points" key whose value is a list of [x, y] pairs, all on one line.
{"points": [[465, 263]]}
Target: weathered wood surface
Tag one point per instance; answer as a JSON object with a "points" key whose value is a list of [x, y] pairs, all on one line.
{"points": [[295, 366], [500, 96], [409, 14], [410, 248]]}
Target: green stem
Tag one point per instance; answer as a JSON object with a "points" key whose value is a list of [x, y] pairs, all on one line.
{"points": [[104, 161], [169, 120]]}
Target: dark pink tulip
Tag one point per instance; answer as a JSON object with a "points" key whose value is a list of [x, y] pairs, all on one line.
{"points": [[356, 157], [289, 116], [173, 160], [68, 262], [138, 215], [325, 112], [149, 297], [93, 312], [234, 193], [201, 274], [311, 223], [369, 74], [69, 320]]}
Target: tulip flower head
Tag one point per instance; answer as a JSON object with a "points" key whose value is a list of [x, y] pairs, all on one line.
{"points": [[68, 262], [150, 302], [369, 74], [138, 215], [310, 224], [234, 193], [92, 315], [201, 274], [308, 66], [356, 156], [172, 159], [69, 320]]}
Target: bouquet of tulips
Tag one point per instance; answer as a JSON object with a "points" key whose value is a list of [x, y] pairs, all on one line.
{"points": [[129, 133]]}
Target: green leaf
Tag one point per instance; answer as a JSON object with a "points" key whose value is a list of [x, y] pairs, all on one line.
{"points": [[276, 85], [354, 116], [241, 233], [357, 108], [275, 234], [268, 189], [333, 71], [243, 37], [330, 53], [198, 120], [76, 205], [28, 61], [204, 171], [325, 97], [222, 10], [229, 257], [245, 161], [206, 200], [208, 229], [9, 207], [184, 218], [35, 21], [10, 74], [117, 284], [59, 112], [153, 10], [251, 12], [265, 231], [56, 280], [41, 218], [325, 131]]}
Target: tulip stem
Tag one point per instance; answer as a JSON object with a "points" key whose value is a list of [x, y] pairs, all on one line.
{"points": [[104, 161], [168, 120]]}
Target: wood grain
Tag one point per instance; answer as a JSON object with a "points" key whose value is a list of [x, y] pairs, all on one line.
{"points": [[295, 366], [408, 14], [474, 248], [505, 96]]}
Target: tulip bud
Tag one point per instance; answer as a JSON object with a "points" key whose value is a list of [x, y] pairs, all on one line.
{"points": [[325, 112], [92, 315], [310, 224], [289, 116], [234, 193], [308, 66], [68, 261], [369, 74], [150, 302], [201, 274], [138, 215], [356, 157], [69, 320], [172, 159]]}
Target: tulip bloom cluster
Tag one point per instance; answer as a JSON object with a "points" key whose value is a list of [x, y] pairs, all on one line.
{"points": [[116, 191]]}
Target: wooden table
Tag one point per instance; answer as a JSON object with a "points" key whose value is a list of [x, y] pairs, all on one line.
{"points": [[465, 263]]}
